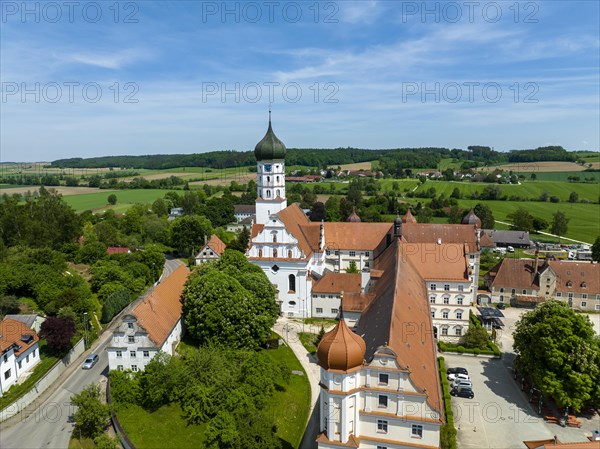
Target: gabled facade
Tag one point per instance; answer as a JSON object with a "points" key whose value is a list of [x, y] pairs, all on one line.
{"points": [[153, 325], [19, 352], [213, 250]]}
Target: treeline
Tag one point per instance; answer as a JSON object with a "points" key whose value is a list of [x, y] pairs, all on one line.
{"points": [[552, 153]]}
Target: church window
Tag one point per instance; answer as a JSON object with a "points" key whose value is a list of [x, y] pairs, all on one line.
{"points": [[384, 378], [292, 283], [275, 268], [260, 253], [383, 400], [274, 252], [277, 193], [274, 238], [268, 194], [277, 178], [289, 253], [292, 303]]}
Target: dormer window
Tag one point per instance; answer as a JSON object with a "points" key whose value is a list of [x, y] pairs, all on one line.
{"points": [[583, 285], [569, 284]]}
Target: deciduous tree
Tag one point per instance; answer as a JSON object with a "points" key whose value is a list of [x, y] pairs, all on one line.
{"points": [[58, 332], [92, 415], [560, 224]]}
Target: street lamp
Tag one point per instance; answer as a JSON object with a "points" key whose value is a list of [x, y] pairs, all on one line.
{"points": [[85, 323]]}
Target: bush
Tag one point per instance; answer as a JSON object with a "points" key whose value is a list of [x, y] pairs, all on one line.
{"points": [[476, 351]]}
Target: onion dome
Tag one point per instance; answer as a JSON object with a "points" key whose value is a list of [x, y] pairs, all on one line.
{"points": [[409, 217], [341, 349], [270, 147], [472, 219], [353, 218]]}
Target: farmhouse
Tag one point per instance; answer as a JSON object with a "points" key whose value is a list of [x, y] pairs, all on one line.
{"points": [[153, 325], [33, 321], [243, 212], [516, 239], [213, 250], [19, 352], [534, 280]]}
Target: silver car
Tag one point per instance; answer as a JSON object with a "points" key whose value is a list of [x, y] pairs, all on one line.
{"points": [[90, 361]]}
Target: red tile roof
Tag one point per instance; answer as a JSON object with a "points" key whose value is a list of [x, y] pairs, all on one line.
{"points": [[444, 262], [11, 332], [116, 250], [216, 244], [583, 276], [356, 236], [159, 311], [446, 233], [337, 282]]}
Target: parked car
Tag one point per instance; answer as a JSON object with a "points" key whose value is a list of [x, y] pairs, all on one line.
{"points": [[501, 305], [461, 375], [459, 383], [456, 370], [90, 361], [510, 249], [463, 392]]}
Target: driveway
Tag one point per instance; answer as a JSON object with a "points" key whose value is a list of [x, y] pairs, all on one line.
{"points": [[499, 416]]}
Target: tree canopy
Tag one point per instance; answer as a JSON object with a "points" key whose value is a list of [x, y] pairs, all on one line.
{"points": [[229, 303], [559, 350]]}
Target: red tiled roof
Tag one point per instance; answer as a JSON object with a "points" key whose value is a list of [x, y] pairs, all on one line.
{"points": [[216, 244], [116, 250], [578, 274], [447, 261], [159, 312], [447, 233], [11, 332], [337, 282], [515, 273], [355, 236]]}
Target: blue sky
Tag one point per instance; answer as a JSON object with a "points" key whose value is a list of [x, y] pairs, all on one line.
{"points": [[184, 77]]}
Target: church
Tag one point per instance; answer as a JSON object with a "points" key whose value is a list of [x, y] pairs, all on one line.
{"points": [[307, 261]]}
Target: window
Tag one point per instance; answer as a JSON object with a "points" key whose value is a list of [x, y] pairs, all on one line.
{"points": [[327, 252], [367, 264], [132, 354], [274, 238], [432, 299], [277, 192], [268, 194], [459, 314], [558, 294], [584, 296], [33, 353], [384, 378], [459, 300], [119, 353], [330, 296], [131, 339], [583, 285], [367, 253], [274, 252], [334, 311], [277, 178], [433, 314], [7, 374], [445, 314], [352, 253], [597, 306], [260, 253], [569, 284], [598, 296], [524, 291], [382, 447], [570, 295], [383, 400], [382, 426], [292, 282], [292, 303], [513, 291], [319, 310], [433, 287], [20, 364], [445, 330], [146, 354], [447, 287], [501, 289], [583, 304], [134, 368], [289, 253], [446, 299], [5, 357], [337, 253], [417, 431], [26, 359], [461, 288], [501, 298], [130, 325], [119, 367], [458, 331]]}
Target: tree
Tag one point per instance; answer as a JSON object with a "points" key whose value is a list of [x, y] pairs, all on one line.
{"points": [[317, 213], [539, 224], [352, 268], [596, 250], [92, 415], [558, 349], [9, 304], [476, 337], [559, 224], [521, 219], [320, 335], [485, 214], [229, 303], [188, 233], [58, 332], [242, 241], [533, 176], [455, 215], [112, 199], [573, 197], [160, 207]]}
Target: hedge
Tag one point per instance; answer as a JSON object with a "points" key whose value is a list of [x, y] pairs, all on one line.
{"points": [[447, 431], [449, 347]]}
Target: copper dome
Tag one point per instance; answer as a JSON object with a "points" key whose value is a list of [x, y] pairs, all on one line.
{"points": [[472, 219], [353, 218], [341, 349]]}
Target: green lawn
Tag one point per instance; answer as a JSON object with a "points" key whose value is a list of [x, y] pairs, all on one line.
{"points": [[561, 175], [166, 428], [308, 341], [125, 199]]}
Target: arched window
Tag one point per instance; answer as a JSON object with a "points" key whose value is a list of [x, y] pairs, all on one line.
{"points": [[513, 291], [260, 253], [289, 253], [292, 283], [268, 194], [268, 179], [274, 238], [277, 193], [274, 252], [569, 284], [277, 178]]}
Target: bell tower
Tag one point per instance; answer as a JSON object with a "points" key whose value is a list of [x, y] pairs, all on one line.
{"points": [[270, 191]]}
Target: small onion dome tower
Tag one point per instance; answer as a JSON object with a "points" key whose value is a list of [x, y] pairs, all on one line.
{"points": [[353, 218], [270, 147], [472, 219], [397, 226], [409, 217], [340, 349]]}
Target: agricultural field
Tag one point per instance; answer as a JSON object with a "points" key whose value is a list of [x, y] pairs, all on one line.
{"points": [[357, 166], [527, 189], [561, 175], [98, 201], [64, 191], [543, 166]]}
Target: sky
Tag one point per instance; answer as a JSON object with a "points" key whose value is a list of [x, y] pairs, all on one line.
{"points": [[85, 79]]}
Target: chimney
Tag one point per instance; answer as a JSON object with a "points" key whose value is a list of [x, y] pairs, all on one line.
{"points": [[365, 277], [537, 260]]}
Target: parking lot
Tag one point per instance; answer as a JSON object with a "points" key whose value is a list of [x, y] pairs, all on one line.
{"points": [[499, 416]]}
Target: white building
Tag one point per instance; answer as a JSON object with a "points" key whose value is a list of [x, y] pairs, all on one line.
{"points": [[380, 385], [19, 352], [213, 250], [153, 325]]}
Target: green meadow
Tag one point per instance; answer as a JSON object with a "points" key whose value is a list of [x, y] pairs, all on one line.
{"points": [[125, 199]]}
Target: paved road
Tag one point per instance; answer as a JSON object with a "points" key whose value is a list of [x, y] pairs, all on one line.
{"points": [[47, 423]]}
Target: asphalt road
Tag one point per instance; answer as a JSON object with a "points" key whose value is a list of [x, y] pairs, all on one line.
{"points": [[49, 424]]}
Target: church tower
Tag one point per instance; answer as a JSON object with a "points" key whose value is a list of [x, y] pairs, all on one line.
{"points": [[270, 159]]}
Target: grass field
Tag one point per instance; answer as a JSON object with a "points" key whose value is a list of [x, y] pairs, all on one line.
{"points": [[357, 166], [125, 199], [561, 175], [165, 428], [527, 189], [537, 167]]}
